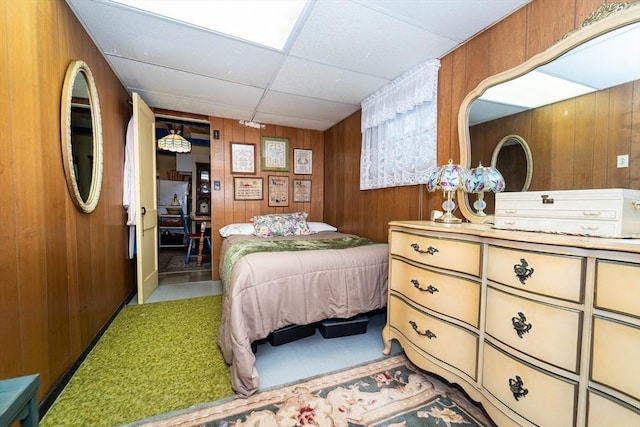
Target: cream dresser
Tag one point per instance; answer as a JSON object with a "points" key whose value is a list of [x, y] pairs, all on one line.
{"points": [[542, 329]]}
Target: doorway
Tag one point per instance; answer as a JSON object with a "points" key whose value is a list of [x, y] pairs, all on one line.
{"points": [[179, 188]]}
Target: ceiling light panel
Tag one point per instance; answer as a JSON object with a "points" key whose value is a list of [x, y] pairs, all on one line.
{"points": [[268, 23], [548, 90]]}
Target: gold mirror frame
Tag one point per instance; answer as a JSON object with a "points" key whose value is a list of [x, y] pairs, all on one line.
{"points": [[607, 18], [527, 154], [77, 69]]}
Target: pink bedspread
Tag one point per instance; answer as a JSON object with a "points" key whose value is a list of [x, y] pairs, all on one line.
{"points": [[271, 290]]}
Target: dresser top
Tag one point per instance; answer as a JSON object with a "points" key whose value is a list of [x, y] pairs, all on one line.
{"points": [[486, 230]]}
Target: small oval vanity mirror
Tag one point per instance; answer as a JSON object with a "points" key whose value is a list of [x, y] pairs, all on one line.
{"points": [[512, 157], [81, 136]]}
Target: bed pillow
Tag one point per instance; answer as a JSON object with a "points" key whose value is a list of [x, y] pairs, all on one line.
{"points": [[316, 227], [291, 224], [245, 228]]}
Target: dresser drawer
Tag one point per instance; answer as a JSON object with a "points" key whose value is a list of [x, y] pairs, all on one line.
{"points": [[446, 294], [453, 255], [558, 276], [603, 411], [618, 287], [544, 331], [549, 400], [616, 356], [451, 344]]}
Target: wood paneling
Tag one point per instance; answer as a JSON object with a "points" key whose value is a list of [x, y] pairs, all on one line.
{"points": [[225, 210], [64, 273]]}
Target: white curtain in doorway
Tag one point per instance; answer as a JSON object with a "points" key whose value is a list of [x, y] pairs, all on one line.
{"points": [[399, 129]]}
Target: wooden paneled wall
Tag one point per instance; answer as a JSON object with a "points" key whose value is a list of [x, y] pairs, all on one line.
{"points": [[574, 143], [527, 32], [226, 210], [63, 273]]}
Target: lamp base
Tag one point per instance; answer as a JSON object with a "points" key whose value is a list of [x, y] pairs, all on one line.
{"points": [[448, 218]]}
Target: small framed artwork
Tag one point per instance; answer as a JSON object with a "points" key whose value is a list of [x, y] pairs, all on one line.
{"points": [[243, 158], [302, 161], [275, 154], [278, 191], [301, 190], [247, 188]]}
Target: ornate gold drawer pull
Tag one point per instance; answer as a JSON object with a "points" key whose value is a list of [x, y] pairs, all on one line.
{"points": [[520, 324], [430, 250], [516, 387], [591, 213], [635, 204], [426, 333], [431, 289], [522, 270]]}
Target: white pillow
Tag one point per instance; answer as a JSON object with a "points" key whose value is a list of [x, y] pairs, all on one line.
{"points": [[316, 227], [245, 228]]}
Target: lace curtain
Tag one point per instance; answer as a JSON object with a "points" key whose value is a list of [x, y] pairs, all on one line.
{"points": [[399, 125]]}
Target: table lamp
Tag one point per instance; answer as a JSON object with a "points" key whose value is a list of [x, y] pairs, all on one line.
{"points": [[449, 178], [483, 179]]}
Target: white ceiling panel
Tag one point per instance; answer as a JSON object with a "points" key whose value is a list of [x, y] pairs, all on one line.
{"points": [[340, 52], [178, 103], [456, 19], [302, 106], [187, 85], [347, 35], [129, 33], [302, 77], [294, 121]]}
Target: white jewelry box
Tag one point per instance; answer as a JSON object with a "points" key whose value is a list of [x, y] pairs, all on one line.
{"points": [[611, 212]]}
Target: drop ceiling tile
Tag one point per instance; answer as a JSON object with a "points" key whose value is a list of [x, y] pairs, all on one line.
{"points": [[350, 36], [458, 20], [163, 80], [189, 105], [302, 77], [129, 33], [299, 106], [296, 122]]}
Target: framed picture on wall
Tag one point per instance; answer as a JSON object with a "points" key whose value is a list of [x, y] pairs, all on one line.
{"points": [[301, 190], [247, 188], [302, 161], [278, 190], [243, 158], [275, 154]]}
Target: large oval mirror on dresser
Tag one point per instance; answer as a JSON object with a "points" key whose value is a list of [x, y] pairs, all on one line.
{"points": [[573, 104], [81, 129]]}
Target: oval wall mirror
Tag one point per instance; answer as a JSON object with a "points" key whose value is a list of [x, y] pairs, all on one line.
{"points": [[512, 157], [600, 62], [81, 127]]}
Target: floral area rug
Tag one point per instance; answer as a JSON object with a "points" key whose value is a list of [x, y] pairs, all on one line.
{"points": [[389, 392]]}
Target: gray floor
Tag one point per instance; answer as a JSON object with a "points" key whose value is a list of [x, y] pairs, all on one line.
{"points": [[293, 361]]}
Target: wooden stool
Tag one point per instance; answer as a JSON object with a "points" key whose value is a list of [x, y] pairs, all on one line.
{"points": [[19, 401]]}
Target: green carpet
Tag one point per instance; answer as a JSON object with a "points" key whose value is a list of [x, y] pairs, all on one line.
{"points": [[153, 358]]}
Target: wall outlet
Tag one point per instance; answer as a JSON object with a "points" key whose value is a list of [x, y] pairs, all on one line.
{"points": [[623, 161]]}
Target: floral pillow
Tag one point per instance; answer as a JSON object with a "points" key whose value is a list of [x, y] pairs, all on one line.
{"points": [[291, 224]]}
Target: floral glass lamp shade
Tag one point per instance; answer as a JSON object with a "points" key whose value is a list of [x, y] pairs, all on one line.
{"points": [[174, 142], [449, 178], [481, 180]]}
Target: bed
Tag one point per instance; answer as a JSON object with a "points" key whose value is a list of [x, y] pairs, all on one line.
{"points": [[275, 281]]}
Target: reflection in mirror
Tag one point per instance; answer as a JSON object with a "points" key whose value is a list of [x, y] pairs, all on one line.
{"points": [[573, 104], [512, 157], [81, 137]]}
